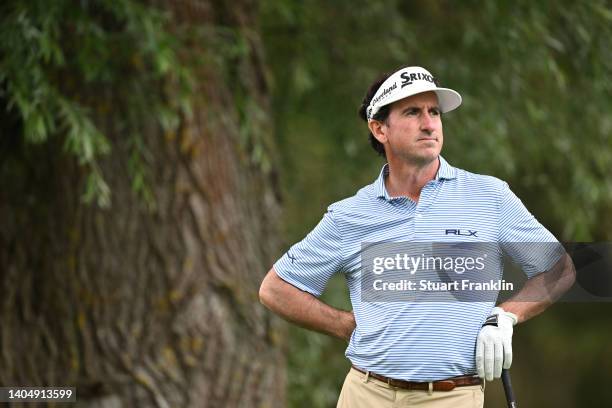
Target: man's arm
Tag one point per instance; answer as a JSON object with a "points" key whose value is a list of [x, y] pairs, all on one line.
{"points": [[542, 291], [303, 308], [494, 343]]}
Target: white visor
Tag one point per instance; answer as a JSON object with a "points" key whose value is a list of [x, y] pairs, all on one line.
{"points": [[411, 81]]}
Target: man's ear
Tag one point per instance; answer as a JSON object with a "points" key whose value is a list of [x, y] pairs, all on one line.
{"points": [[379, 130]]}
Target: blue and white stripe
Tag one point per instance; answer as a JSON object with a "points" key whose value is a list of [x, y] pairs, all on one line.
{"points": [[415, 341]]}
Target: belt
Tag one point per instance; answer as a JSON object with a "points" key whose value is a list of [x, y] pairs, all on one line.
{"points": [[441, 385]]}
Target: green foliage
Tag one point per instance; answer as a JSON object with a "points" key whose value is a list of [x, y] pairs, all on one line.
{"points": [[58, 61], [535, 78]]}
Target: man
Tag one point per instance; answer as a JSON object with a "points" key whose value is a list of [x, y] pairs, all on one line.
{"points": [[416, 353]]}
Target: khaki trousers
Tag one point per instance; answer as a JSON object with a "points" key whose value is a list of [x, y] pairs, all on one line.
{"points": [[361, 392]]}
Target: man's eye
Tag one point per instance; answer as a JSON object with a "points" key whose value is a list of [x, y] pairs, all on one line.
{"points": [[412, 112], [434, 112]]}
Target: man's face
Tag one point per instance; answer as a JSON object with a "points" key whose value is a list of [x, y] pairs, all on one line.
{"points": [[413, 131]]}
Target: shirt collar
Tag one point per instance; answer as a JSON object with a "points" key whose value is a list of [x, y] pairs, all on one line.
{"points": [[445, 171]]}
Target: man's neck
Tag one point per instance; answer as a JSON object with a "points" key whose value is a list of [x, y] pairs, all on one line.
{"points": [[407, 179]]}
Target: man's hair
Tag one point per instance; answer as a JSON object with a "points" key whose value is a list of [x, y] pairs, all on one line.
{"points": [[382, 114]]}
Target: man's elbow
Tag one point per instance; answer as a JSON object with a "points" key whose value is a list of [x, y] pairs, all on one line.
{"points": [[565, 275], [265, 292], [569, 272]]}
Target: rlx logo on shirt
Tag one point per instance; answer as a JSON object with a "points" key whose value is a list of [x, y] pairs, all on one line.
{"points": [[465, 233]]}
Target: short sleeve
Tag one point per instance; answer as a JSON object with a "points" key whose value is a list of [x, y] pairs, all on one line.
{"points": [[309, 264], [523, 238]]}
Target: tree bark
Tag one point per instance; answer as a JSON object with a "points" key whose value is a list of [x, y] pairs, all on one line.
{"points": [[141, 305]]}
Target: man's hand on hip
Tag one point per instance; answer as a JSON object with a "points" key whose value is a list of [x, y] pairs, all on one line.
{"points": [[494, 344], [305, 309]]}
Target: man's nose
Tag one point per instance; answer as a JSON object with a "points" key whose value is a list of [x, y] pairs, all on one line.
{"points": [[427, 122]]}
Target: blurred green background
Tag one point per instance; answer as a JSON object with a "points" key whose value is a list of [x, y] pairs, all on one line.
{"points": [[535, 79]]}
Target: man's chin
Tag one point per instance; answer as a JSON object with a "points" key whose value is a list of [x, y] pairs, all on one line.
{"points": [[422, 159]]}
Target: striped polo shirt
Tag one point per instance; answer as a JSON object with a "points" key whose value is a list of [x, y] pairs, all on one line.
{"points": [[410, 340]]}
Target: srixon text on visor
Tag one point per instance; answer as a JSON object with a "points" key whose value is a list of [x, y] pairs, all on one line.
{"points": [[407, 79]]}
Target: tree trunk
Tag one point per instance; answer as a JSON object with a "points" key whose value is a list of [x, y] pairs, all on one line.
{"points": [[140, 305]]}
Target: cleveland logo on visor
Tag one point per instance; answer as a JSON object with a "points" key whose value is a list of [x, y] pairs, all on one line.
{"points": [[385, 93]]}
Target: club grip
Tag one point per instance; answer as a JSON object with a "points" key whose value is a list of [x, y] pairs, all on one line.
{"points": [[508, 389]]}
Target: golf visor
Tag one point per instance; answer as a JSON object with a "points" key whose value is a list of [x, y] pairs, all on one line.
{"points": [[411, 81]]}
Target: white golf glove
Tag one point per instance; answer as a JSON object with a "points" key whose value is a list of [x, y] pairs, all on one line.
{"points": [[494, 344]]}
